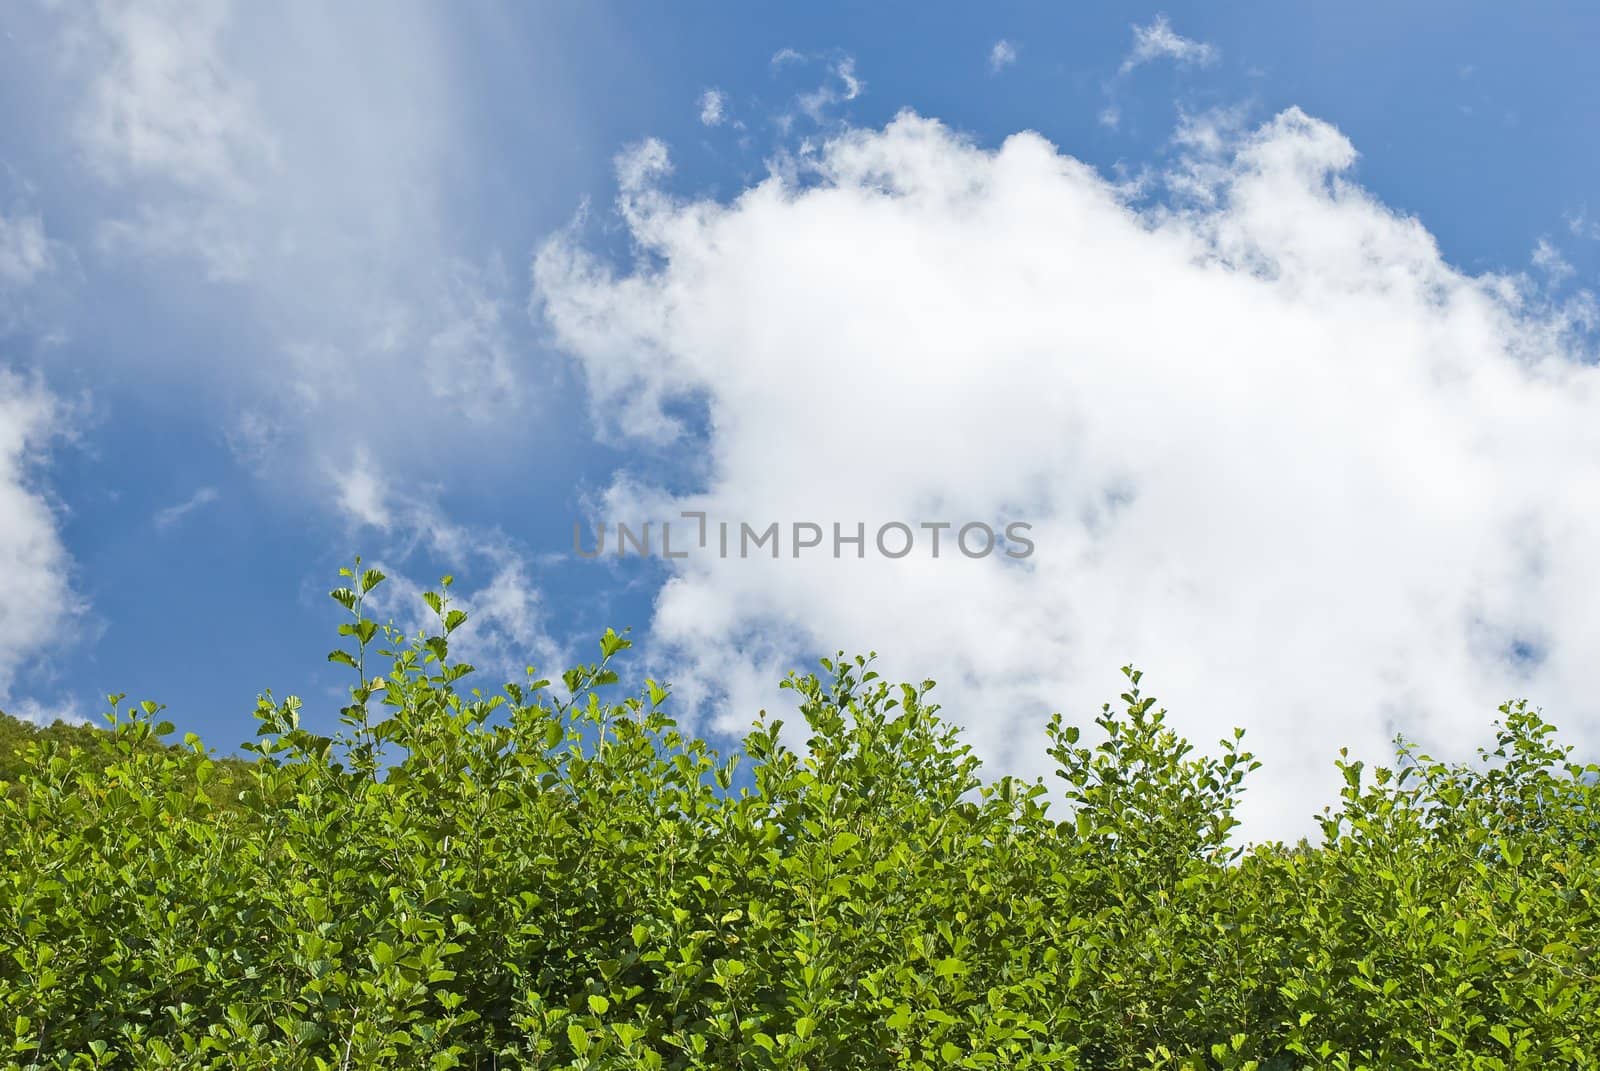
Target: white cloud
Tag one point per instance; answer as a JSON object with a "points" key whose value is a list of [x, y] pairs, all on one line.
{"points": [[1211, 134], [1001, 56], [1581, 225], [208, 232], [1205, 143], [39, 713], [506, 629], [469, 361], [713, 107], [25, 252], [639, 165], [35, 569], [304, 157], [1548, 259], [361, 494], [28, 257], [1159, 41], [171, 515], [1313, 478], [841, 87], [846, 70], [164, 113], [165, 104]]}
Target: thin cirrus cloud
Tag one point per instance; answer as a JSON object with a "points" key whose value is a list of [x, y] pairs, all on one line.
{"points": [[1001, 56], [1317, 481], [175, 513]]}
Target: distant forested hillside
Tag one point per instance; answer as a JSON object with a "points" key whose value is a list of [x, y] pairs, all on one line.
{"points": [[25, 745]]}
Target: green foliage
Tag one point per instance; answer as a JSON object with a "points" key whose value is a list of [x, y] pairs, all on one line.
{"points": [[456, 879], [24, 746]]}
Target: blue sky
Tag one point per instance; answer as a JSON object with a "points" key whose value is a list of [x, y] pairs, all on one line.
{"points": [[270, 294]]}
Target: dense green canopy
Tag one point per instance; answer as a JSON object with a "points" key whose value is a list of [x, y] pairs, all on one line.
{"points": [[457, 880]]}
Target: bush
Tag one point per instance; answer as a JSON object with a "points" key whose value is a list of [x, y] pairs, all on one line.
{"points": [[461, 880]]}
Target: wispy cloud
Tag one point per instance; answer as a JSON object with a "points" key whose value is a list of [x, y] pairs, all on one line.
{"points": [[165, 111], [1001, 56], [25, 252], [1159, 41], [28, 257], [362, 494], [843, 86], [713, 107], [1583, 225], [1548, 259], [355, 288], [165, 103], [171, 515], [508, 624]]}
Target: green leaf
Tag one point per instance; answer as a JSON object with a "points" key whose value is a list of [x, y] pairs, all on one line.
{"points": [[843, 842], [611, 643]]}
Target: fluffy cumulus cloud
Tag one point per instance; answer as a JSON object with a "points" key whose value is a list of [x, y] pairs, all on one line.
{"points": [[1314, 479], [39, 601]]}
